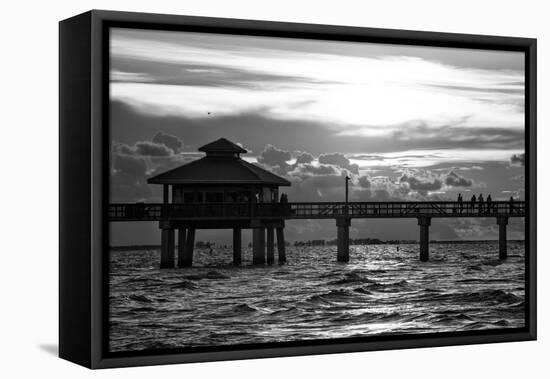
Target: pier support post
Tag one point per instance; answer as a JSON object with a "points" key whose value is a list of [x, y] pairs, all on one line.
{"points": [[343, 225], [502, 244], [258, 244], [189, 247], [167, 248], [270, 246], [182, 235], [424, 223], [237, 246], [281, 245]]}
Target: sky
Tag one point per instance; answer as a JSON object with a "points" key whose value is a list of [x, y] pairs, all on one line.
{"points": [[405, 122]]}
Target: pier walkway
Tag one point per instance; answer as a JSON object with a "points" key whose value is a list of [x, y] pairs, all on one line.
{"points": [[311, 210], [265, 218]]}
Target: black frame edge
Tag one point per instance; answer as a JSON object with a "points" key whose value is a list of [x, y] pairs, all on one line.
{"points": [[75, 275], [531, 182]]}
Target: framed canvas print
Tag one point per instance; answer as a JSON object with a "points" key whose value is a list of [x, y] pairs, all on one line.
{"points": [[233, 189]]}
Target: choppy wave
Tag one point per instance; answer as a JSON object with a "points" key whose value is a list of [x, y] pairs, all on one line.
{"points": [[463, 287]]}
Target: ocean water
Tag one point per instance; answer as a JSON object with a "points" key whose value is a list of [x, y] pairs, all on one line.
{"points": [[382, 290]]}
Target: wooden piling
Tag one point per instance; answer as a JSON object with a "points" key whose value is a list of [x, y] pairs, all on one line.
{"points": [[270, 245], [258, 245], [189, 247], [424, 223], [281, 248], [167, 248], [237, 256], [343, 225], [502, 243], [182, 234]]}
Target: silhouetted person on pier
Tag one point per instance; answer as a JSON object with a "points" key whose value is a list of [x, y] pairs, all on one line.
{"points": [[489, 203], [460, 202], [473, 202], [480, 203], [511, 204]]}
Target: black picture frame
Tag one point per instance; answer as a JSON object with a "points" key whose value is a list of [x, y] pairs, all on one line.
{"points": [[83, 196]]}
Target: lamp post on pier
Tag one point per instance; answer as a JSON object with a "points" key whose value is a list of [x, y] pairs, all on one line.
{"points": [[347, 194]]}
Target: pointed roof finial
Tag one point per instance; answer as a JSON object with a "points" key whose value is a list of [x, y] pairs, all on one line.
{"points": [[222, 145]]}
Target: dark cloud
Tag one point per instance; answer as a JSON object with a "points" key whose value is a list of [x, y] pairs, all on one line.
{"points": [[305, 158], [339, 160], [253, 129], [518, 159], [152, 149], [421, 185], [128, 183], [168, 140], [162, 145], [455, 180], [456, 57], [511, 91], [136, 70], [456, 135], [130, 165], [315, 187], [305, 169], [272, 156], [364, 182]]}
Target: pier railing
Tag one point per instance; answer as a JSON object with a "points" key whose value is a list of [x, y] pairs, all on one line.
{"points": [[313, 210]]}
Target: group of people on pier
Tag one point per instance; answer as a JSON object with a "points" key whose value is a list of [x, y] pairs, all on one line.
{"points": [[483, 205]]}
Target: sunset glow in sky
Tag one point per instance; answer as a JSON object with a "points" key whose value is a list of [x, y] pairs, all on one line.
{"points": [[405, 122]]}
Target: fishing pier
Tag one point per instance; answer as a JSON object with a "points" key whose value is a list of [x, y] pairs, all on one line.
{"points": [[222, 191]]}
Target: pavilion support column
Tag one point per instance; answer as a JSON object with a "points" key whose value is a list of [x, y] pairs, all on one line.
{"points": [[258, 242], [185, 257], [237, 242], [167, 248], [270, 245], [424, 223], [343, 225], [281, 244], [502, 221], [189, 247], [182, 233]]}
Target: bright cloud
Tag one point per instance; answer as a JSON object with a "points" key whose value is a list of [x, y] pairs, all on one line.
{"points": [[368, 95]]}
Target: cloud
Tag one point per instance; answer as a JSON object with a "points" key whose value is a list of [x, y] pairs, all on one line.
{"points": [[517, 159], [168, 140], [456, 134], [305, 169], [130, 165], [138, 70], [162, 145], [273, 156], [305, 158], [152, 149], [339, 160], [421, 185], [455, 180], [254, 128], [364, 182], [171, 75], [128, 183]]}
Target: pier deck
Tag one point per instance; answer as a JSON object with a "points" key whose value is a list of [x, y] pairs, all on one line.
{"points": [[265, 218], [311, 210]]}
